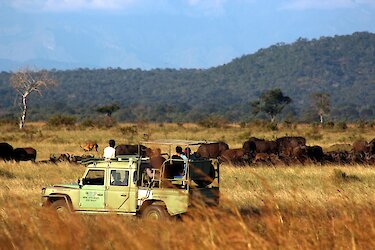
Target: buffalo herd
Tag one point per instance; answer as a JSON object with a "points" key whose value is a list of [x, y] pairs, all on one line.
{"points": [[7, 153], [287, 150], [293, 150]]}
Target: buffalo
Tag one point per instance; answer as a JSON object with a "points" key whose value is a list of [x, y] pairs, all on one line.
{"points": [[287, 144], [24, 154], [372, 147], [234, 156], [156, 159], [261, 146], [212, 150], [6, 151], [338, 156], [360, 147], [127, 149], [315, 153]]}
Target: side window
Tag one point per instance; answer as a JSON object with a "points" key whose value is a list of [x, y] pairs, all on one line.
{"points": [[94, 177], [119, 178]]}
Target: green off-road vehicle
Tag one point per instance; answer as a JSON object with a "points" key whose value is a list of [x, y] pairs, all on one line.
{"points": [[129, 185]]}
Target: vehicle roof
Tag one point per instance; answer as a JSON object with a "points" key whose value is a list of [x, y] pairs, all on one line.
{"points": [[176, 142], [118, 161]]}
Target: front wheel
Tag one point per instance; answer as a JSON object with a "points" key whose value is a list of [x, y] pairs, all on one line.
{"points": [[61, 208], [154, 212]]}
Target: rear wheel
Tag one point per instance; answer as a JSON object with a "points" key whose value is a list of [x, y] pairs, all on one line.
{"points": [[155, 212]]}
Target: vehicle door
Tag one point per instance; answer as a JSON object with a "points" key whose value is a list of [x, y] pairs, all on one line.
{"points": [[117, 194], [92, 192]]}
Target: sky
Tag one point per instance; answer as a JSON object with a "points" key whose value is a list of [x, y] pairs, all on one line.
{"points": [[149, 34]]}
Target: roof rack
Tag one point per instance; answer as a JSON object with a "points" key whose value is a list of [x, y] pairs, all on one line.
{"points": [[118, 158], [176, 142]]}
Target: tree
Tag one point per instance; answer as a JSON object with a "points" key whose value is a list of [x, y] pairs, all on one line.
{"points": [[271, 102], [108, 109], [321, 104], [25, 82]]}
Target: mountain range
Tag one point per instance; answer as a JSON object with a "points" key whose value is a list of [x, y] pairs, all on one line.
{"points": [[341, 66]]}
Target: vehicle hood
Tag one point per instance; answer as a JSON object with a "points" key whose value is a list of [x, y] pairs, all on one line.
{"points": [[71, 186]]}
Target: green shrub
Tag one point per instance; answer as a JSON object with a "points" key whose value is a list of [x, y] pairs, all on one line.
{"points": [[87, 123], [61, 120], [105, 122], [361, 124], [213, 121], [341, 125], [272, 126], [243, 124], [128, 130], [328, 125]]}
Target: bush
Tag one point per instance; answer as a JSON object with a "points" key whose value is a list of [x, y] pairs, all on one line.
{"points": [[288, 124], [128, 130], [361, 124], [341, 125], [87, 123], [272, 126], [328, 125], [61, 120], [106, 122], [213, 121], [9, 120]]}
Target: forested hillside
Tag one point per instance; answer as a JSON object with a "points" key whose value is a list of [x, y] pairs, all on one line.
{"points": [[343, 66]]}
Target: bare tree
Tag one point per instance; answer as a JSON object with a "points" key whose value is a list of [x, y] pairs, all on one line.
{"points": [[25, 82], [321, 104]]}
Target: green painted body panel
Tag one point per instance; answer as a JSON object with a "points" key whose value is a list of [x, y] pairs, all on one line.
{"points": [[91, 197]]}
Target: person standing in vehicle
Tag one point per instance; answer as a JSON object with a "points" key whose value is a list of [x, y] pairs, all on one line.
{"points": [[110, 152], [183, 157]]}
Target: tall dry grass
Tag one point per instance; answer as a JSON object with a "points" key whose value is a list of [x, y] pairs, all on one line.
{"points": [[309, 207]]}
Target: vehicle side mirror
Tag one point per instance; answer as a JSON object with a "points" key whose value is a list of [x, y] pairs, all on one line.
{"points": [[79, 181]]}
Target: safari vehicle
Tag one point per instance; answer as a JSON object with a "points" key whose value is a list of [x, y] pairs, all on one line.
{"points": [[122, 186]]}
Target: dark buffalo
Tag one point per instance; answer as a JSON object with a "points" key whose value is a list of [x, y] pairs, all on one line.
{"points": [[6, 151], [249, 147], [338, 157], [24, 154], [126, 149], [315, 153], [212, 150], [372, 147], [268, 147], [262, 159], [287, 144], [234, 156], [156, 159]]}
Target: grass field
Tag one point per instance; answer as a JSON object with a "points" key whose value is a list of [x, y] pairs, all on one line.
{"points": [[304, 207]]}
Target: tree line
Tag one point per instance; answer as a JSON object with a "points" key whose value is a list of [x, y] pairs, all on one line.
{"points": [[337, 72]]}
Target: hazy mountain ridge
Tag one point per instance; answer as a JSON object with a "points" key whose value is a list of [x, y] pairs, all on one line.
{"points": [[343, 66]]}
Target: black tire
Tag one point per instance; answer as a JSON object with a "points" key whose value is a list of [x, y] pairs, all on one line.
{"points": [[61, 207], [155, 212]]}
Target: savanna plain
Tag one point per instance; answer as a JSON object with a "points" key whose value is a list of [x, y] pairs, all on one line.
{"points": [[261, 207]]}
